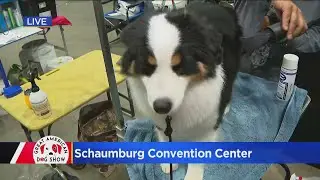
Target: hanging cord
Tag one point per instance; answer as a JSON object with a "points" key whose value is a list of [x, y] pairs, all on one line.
{"points": [[163, 5], [174, 5], [168, 132]]}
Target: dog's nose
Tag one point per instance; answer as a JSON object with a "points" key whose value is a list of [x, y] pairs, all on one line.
{"points": [[162, 106]]}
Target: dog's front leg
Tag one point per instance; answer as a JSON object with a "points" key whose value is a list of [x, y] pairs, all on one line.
{"points": [[165, 166], [194, 172]]}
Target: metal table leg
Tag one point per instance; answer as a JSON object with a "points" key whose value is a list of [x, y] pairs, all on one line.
{"points": [[64, 40], [49, 129], [45, 35], [130, 111], [130, 100], [41, 133], [26, 132], [109, 95]]}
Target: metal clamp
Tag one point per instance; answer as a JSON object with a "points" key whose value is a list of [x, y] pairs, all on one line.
{"points": [[120, 132]]}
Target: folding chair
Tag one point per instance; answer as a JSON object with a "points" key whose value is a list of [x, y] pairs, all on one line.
{"points": [[123, 13]]}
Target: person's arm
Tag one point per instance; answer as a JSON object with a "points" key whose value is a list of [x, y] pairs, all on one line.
{"points": [[309, 42]]}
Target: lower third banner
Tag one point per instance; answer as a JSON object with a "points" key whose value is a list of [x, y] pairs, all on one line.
{"points": [[53, 150], [195, 152]]}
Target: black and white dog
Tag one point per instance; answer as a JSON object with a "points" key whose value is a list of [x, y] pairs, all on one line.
{"points": [[183, 63]]}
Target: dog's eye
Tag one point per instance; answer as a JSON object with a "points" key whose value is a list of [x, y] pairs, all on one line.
{"points": [[149, 66], [149, 69], [177, 69]]}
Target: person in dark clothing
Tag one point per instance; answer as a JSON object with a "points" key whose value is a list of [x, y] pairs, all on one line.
{"points": [[266, 62]]}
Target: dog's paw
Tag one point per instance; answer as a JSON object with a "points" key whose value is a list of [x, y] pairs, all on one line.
{"points": [[194, 172], [193, 177], [166, 167], [226, 110]]}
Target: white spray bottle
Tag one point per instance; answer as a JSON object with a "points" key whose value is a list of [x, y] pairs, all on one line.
{"points": [[287, 76], [38, 98]]}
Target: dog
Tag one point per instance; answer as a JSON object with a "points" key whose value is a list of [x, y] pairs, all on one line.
{"points": [[50, 149], [183, 63]]}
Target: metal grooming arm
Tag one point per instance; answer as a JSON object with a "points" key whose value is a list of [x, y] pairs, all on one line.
{"points": [[98, 10]]}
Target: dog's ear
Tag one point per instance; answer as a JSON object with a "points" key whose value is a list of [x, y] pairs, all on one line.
{"points": [[127, 62], [59, 148], [134, 34], [215, 47], [54, 148], [136, 60], [42, 148], [181, 18], [134, 38], [201, 56]]}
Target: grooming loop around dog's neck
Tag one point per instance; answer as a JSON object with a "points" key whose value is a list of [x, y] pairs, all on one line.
{"points": [[168, 132]]}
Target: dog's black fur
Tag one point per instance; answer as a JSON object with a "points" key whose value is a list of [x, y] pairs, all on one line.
{"points": [[210, 34]]}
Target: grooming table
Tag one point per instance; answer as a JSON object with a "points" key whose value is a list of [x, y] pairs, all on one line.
{"points": [[68, 87]]}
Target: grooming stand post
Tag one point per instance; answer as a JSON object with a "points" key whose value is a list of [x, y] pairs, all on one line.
{"points": [[98, 10]]}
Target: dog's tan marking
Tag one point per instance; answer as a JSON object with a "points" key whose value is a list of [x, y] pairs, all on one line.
{"points": [[131, 68], [176, 59], [202, 69], [202, 73], [152, 60]]}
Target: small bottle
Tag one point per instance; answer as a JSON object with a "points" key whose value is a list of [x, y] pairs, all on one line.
{"points": [[38, 98], [287, 76], [18, 17], [12, 18], [7, 19]]}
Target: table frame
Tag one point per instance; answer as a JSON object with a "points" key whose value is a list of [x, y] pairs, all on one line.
{"points": [[65, 48]]}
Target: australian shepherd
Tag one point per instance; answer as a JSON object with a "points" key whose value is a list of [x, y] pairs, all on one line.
{"points": [[183, 63]]}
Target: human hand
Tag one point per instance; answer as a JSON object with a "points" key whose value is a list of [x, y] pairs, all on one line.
{"points": [[292, 19]]}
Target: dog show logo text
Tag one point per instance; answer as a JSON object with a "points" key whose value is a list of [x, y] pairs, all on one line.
{"points": [[50, 150]]}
